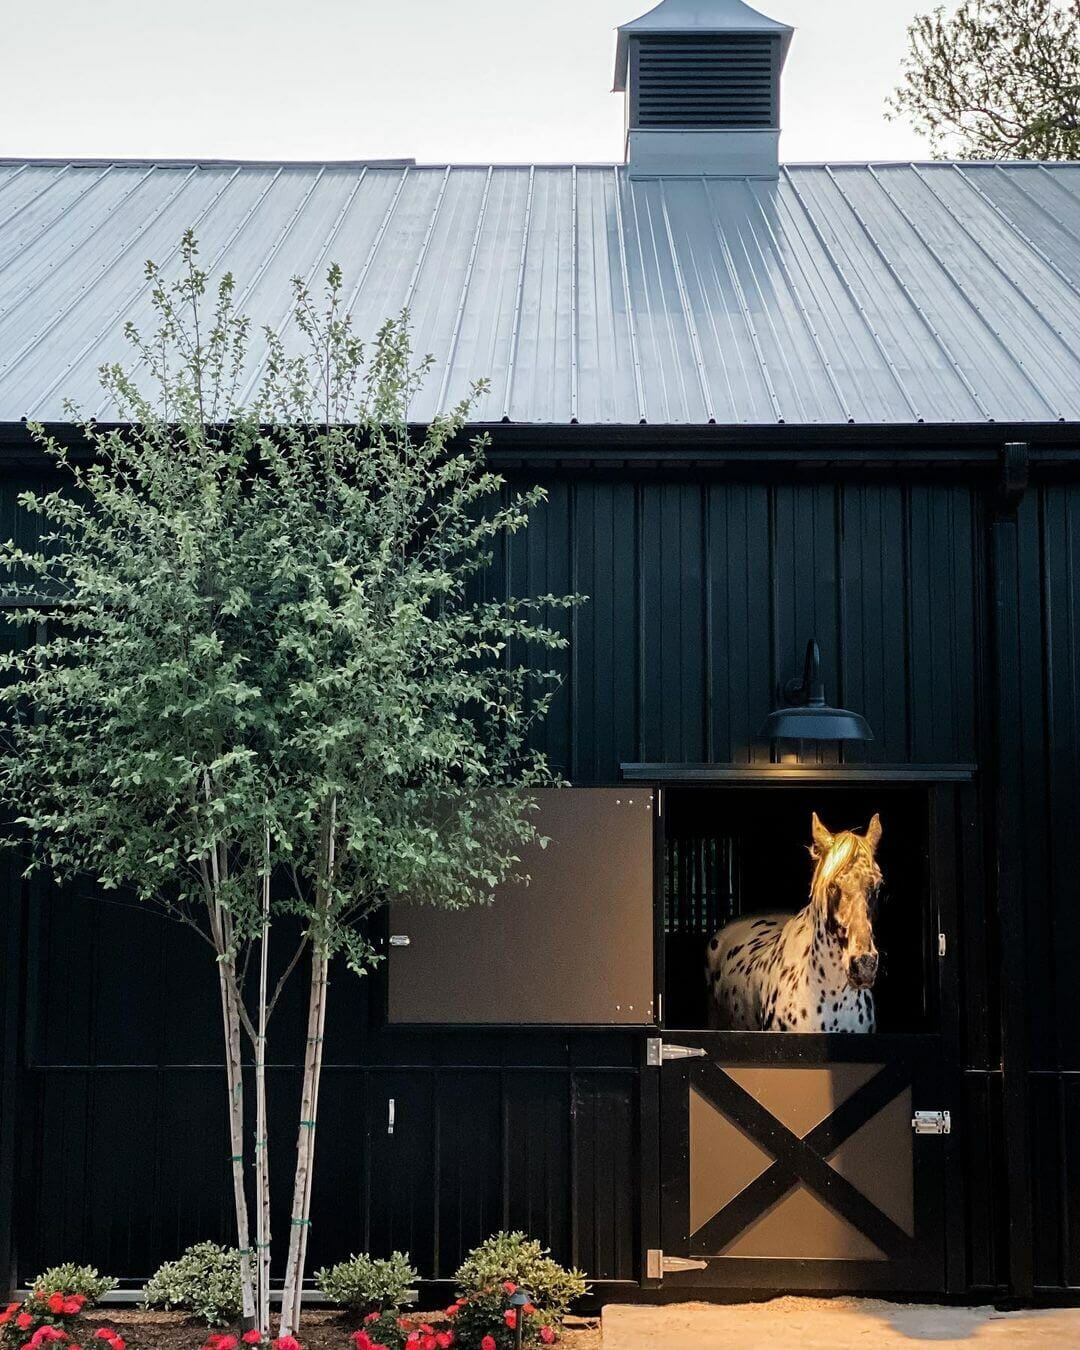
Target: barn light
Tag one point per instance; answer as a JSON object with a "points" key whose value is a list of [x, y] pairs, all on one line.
{"points": [[804, 714]]}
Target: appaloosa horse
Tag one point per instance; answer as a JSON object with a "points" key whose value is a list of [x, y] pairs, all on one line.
{"points": [[812, 971]]}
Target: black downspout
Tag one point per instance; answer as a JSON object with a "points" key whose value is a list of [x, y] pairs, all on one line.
{"points": [[1008, 638]]}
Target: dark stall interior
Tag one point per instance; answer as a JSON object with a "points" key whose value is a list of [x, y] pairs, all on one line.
{"points": [[731, 851]]}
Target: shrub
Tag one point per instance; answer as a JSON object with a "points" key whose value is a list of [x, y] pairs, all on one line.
{"points": [[256, 1340], [514, 1257], [484, 1316], [47, 1321], [386, 1331], [364, 1284], [204, 1281], [69, 1278]]}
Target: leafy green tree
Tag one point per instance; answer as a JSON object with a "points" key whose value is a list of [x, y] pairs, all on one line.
{"points": [[270, 683], [996, 79]]}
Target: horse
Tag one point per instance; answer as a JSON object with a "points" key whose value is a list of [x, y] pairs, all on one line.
{"points": [[813, 971]]}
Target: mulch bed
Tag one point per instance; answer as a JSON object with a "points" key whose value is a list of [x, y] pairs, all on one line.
{"points": [[320, 1330]]}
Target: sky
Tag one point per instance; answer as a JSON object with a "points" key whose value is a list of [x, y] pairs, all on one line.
{"points": [[467, 81]]}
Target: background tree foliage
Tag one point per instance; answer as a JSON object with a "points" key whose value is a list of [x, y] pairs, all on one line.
{"points": [[261, 676], [996, 79]]}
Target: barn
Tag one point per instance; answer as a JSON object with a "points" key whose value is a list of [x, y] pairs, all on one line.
{"points": [[776, 406]]}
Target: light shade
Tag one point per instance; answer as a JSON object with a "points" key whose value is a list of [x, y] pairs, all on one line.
{"points": [[805, 716], [815, 722]]}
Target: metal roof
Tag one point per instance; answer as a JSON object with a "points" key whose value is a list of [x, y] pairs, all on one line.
{"points": [[674, 18], [869, 293]]}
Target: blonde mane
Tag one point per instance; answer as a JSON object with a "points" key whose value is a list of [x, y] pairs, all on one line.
{"points": [[845, 849]]}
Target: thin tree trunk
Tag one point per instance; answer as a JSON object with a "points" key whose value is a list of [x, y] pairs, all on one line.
{"points": [[262, 1159], [235, 1081], [309, 1098]]}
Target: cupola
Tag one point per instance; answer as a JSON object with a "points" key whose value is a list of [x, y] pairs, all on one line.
{"points": [[701, 79]]}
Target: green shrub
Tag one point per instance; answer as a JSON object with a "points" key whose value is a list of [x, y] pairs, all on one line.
{"points": [[514, 1257], [205, 1281], [364, 1284], [69, 1278]]}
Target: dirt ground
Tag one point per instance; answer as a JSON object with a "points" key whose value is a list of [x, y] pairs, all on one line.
{"points": [[321, 1330], [834, 1324]]}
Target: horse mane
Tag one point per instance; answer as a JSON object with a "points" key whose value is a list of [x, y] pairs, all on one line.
{"points": [[845, 848]]}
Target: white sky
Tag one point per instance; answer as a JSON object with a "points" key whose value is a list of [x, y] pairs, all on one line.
{"points": [[459, 80]]}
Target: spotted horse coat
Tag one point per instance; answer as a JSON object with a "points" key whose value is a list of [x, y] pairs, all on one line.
{"points": [[813, 971]]}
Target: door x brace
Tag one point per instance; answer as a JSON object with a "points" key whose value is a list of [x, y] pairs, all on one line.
{"points": [[800, 1160]]}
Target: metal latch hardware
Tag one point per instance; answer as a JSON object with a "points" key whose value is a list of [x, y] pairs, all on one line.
{"points": [[399, 939], [390, 1116], [932, 1122], [658, 1051], [657, 1265], [942, 944]]}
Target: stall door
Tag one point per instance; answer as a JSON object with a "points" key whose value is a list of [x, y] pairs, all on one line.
{"points": [[794, 1162]]}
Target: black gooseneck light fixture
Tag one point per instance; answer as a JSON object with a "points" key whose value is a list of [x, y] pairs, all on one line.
{"points": [[805, 716]]}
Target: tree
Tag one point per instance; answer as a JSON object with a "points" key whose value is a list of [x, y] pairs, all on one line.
{"points": [[270, 685], [997, 79]]}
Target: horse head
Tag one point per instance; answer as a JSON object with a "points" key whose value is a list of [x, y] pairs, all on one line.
{"points": [[844, 887]]}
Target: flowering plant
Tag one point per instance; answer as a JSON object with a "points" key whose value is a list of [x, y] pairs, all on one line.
{"points": [[386, 1330], [45, 1320], [257, 1340], [487, 1319]]}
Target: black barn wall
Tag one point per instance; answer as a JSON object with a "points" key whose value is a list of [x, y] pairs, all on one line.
{"points": [[702, 593]]}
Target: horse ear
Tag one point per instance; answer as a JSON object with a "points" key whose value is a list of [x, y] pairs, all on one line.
{"points": [[820, 835], [873, 831]]}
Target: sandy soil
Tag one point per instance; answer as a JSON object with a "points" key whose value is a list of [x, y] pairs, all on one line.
{"points": [[834, 1324]]}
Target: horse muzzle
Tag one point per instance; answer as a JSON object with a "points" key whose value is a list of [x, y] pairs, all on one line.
{"points": [[862, 971]]}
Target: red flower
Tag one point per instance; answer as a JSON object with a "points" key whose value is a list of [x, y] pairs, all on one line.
{"points": [[361, 1340], [6, 1315], [107, 1333], [428, 1342], [529, 1308], [222, 1343], [72, 1346], [286, 1343], [510, 1318], [73, 1305], [444, 1339], [428, 1331], [252, 1337], [23, 1320], [46, 1333], [509, 1286], [547, 1335], [56, 1303], [452, 1311], [372, 1317], [488, 1343]]}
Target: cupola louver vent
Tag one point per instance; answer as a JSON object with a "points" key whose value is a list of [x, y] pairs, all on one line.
{"points": [[701, 79], [704, 83]]}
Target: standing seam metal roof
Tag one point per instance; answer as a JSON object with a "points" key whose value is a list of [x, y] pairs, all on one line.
{"points": [[869, 293]]}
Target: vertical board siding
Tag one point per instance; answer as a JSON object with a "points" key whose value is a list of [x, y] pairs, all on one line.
{"points": [[701, 596]]}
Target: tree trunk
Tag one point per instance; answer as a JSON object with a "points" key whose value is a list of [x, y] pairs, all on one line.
{"points": [[262, 1144], [309, 1099], [234, 1078]]}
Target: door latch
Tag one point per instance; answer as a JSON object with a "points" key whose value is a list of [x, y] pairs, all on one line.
{"points": [[657, 1265], [932, 1122], [657, 1051]]}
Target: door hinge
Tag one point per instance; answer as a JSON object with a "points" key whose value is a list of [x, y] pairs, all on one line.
{"points": [[657, 1265], [657, 1051], [941, 944], [932, 1122]]}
